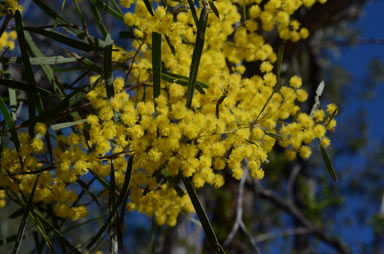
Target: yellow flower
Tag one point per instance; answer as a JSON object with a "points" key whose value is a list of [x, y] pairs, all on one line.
{"points": [[126, 3], [295, 82], [332, 109], [231, 120], [305, 152], [266, 66], [290, 154], [325, 141], [2, 203], [38, 145], [40, 128], [302, 95], [237, 173]]}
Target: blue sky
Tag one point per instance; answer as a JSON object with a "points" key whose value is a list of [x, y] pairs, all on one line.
{"points": [[355, 59]]}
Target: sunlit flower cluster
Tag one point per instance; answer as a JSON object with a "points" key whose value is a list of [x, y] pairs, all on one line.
{"points": [[232, 121]]}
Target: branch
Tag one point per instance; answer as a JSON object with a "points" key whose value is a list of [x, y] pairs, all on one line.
{"points": [[239, 211], [292, 178], [252, 241], [239, 217], [290, 208], [270, 236]]}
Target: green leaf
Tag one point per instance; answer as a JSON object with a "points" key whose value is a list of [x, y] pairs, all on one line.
{"points": [[11, 126], [117, 7], [244, 7], [169, 77], [41, 229], [47, 70], [59, 19], [38, 244], [153, 235], [72, 68], [85, 187], [125, 189], [49, 60], [181, 77], [98, 18], [214, 9], [16, 214], [81, 16], [9, 239], [78, 225], [273, 135], [59, 126], [149, 6], [111, 11], [64, 105], [12, 93], [34, 98], [212, 239], [112, 212], [20, 232], [280, 58], [13, 102], [23, 86], [156, 64], [22, 202], [127, 34], [108, 75], [112, 184], [328, 163], [56, 232], [198, 223], [59, 37], [121, 200], [79, 94], [172, 48], [101, 180], [197, 51], [50, 12], [90, 64], [331, 117], [193, 11], [27, 67]]}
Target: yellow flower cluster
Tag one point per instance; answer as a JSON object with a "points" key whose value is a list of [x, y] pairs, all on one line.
{"points": [[2, 199], [10, 7], [7, 40], [119, 55], [236, 120], [51, 187]]}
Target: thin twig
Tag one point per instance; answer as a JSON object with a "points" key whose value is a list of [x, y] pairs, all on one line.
{"points": [[133, 60], [273, 235], [292, 209], [291, 182], [251, 240], [5, 24], [239, 211]]}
